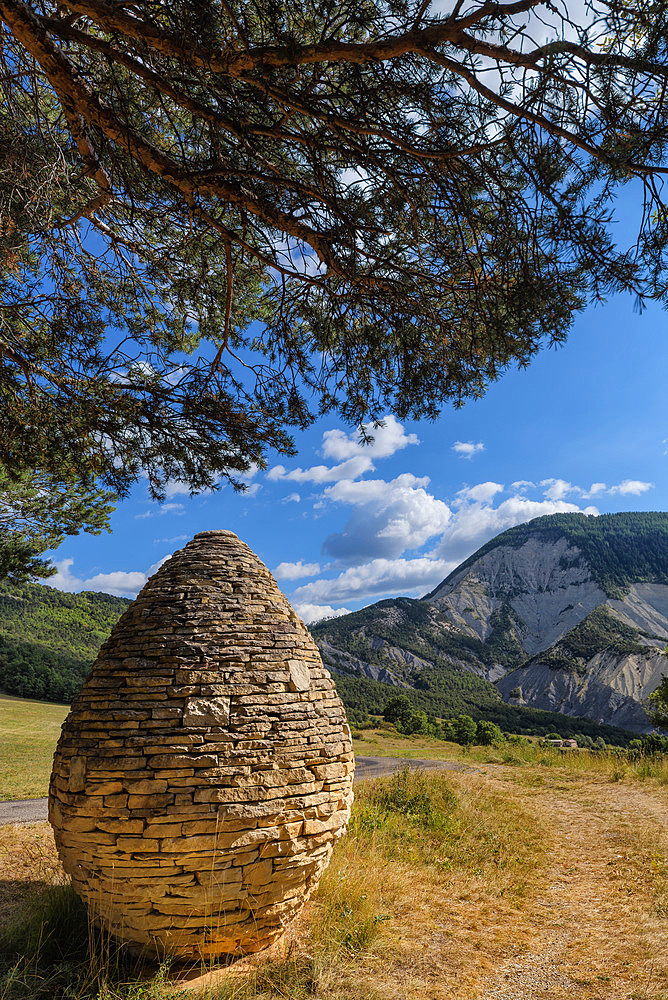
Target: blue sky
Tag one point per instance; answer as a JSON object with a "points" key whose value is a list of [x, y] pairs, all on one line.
{"points": [[342, 525]]}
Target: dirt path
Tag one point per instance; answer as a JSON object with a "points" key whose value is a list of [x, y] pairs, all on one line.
{"points": [[601, 925]]}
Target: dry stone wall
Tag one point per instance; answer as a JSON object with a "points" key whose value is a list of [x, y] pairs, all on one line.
{"points": [[205, 770]]}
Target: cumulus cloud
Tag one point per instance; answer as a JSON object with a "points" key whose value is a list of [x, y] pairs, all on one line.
{"points": [[482, 493], [386, 440], [467, 449], [176, 488], [557, 489], [595, 489], [311, 613], [353, 456], [120, 583], [295, 570], [631, 486], [375, 578], [350, 469], [166, 508], [477, 517], [389, 517], [381, 548]]}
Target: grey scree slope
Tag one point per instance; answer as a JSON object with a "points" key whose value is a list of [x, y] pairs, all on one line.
{"points": [[206, 768]]}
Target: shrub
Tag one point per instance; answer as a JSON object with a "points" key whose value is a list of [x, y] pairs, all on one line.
{"points": [[464, 730], [398, 710], [487, 733]]}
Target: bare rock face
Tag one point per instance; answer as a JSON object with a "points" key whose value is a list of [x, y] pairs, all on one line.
{"points": [[205, 770]]}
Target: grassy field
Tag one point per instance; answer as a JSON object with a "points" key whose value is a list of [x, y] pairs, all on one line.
{"points": [[29, 731]]}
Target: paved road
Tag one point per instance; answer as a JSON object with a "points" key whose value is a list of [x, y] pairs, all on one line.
{"points": [[376, 767], [34, 810], [23, 811]]}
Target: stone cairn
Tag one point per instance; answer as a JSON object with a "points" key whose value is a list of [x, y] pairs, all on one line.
{"points": [[205, 770]]}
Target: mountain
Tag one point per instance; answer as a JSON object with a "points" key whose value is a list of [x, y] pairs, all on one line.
{"points": [[567, 613], [49, 639]]}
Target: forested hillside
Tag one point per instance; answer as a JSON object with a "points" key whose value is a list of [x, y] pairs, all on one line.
{"points": [[48, 639], [620, 549]]}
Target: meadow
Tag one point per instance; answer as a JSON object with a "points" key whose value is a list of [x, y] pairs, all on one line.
{"points": [[29, 731]]}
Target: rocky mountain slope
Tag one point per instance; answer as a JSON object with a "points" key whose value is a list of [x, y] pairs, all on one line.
{"points": [[567, 613]]}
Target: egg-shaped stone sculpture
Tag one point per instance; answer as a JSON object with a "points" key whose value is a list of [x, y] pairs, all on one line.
{"points": [[205, 769]]}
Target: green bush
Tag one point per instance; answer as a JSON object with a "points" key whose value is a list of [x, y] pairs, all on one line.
{"points": [[398, 710], [487, 733], [464, 729]]}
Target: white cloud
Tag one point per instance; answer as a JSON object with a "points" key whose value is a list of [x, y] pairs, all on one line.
{"points": [[176, 488], [557, 489], [631, 486], [292, 498], [467, 449], [120, 583], [595, 490], [350, 469], [353, 456], [170, 541], [482, 493], [390, 517], [387, 439], [295, 570], [166, 508], [380, 576], [311, 613]]}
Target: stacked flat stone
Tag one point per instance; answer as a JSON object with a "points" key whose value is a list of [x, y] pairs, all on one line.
{"points": [[205, 770]]}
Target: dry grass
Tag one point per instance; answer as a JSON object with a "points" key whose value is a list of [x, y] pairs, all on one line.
{"points": [[27, 863], [387, 742], [603, 920], [29, 731]]}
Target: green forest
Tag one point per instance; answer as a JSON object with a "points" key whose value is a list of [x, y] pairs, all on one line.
{"points": [[363, 697], [620, 549], [49, 639]]}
